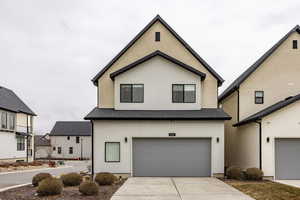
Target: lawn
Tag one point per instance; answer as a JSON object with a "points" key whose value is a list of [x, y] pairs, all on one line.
{"points": [[266, 190]]}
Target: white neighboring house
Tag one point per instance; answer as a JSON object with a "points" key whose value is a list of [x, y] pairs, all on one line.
{"points": [[157, 112], [71, 140], [16, 128], [42, 147]]}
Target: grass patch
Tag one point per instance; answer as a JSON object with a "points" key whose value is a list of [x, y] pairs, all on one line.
{"points": [[266, 190]]}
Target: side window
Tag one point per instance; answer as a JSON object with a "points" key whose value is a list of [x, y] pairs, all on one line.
{"points": [[184, 93], [112, 151], [77, 140], [295, 44], [70, 150], [59, 150], [259, 97], [4, 120], [131, 93]]}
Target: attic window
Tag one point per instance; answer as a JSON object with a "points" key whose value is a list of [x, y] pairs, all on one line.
{"points": [[295, 44], [157, 36], [259, 97]]}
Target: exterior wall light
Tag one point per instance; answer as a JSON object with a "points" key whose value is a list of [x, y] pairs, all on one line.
{"points": [[268, 139], [126, 139], [218, 140]]}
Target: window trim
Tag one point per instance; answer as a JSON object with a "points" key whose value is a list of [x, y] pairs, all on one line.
{"points": [[263, 96], [295, 44], [183, 93], [131, 95], [105, 143]]}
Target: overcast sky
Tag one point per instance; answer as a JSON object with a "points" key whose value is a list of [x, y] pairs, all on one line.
{"points": [[51, 49]]}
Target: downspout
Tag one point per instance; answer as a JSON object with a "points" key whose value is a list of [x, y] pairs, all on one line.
{"points": [[260, 144], [27, 139], [92, 149], [238, 104]]}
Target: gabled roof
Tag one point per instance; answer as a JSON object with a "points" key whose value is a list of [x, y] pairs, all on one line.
{"points": [[41, 140], [163, 55], [158, 18], [277, 106], [11, 102], [202, 114], [235, 84], [72, 128]]}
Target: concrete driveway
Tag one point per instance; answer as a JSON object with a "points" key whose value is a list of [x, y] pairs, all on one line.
{"points": [[177, 189]]}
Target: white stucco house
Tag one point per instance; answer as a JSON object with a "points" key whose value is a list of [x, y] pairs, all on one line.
{"points": [[16, 128], [157, 112], [71, 140]]}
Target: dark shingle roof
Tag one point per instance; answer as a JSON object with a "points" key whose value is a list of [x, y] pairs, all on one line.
{"points": [[277, 106], [71, 128], [163, 55], [188, 47], [41, 140], [112, 114], [10, 101], [235, 84]]}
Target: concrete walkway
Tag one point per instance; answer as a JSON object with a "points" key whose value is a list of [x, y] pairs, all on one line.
{"points": [[177, 189], [294, 183]]}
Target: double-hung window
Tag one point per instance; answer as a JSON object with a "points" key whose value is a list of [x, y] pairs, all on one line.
{"points": [[77, 140], [4, 120], [70, 150], [112, 151], [184, 93], [259, 97], [20, 143], [11, 120], [131, 93]]}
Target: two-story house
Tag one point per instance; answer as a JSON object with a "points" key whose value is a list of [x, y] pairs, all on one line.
{"points": [[157, 112], [71, 140], [16, 128], [264, 104]]}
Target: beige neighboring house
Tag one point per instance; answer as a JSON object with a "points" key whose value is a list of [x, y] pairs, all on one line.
{"points": [[264, 104], [42, 147], [157, 112], [16, 128]]}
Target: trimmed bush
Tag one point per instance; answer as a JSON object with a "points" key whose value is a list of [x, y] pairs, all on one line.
{"points": [[89, 188], [39, 177], [71, 179], [49, 186], [254, 174], [105, 178], [234, 173]]}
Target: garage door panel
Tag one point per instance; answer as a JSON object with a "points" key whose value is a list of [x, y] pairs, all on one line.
{"points": [[287, 158], [171, 157]]}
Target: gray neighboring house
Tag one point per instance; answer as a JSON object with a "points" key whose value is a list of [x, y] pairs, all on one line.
{"points": [[42, 146], [71, 140]]}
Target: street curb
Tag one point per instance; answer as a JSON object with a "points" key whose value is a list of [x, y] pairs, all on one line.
{"points": [[33, 170], [15, 186]]}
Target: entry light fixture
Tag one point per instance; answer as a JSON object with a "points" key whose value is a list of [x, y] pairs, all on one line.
{"points": [[126, 139], [218, 140], [268, 139]]}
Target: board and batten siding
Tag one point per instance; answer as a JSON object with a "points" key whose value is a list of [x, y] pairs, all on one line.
{"points": [[158, 75], [117, 130]]}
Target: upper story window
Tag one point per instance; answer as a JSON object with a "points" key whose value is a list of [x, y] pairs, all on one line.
{"points": [[4, 120], [7, 120], [184, 93], [11, 120], [295, 44], [259, 97], [157, 36], [131, 93]]}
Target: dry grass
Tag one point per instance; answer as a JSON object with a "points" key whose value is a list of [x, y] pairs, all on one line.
{"points": [[266, 190]]}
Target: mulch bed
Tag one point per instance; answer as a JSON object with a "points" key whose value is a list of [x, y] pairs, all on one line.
{"points": [[69, 193]]}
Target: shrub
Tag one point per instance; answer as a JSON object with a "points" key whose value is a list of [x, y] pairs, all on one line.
{"points": [[49, 186], [254, 174], [105, 178], [234, 173], [39, 177], [89, 188], [71, 179]]}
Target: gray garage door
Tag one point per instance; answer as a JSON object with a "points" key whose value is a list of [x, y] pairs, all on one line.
{"points": [[171, 157], [287, 158]]}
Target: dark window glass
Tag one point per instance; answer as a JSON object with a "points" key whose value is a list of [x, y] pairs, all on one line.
{"points": [[54, 148], [59, 150], [157, 36], [184, 93], [20, 143], [259, 97], [295, 44], [131, 93], [70, 150], [77, 139]]}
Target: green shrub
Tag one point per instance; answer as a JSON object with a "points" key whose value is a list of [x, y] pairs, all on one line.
{"points": [[50, 186], [254, 174], [105, 178], [234, 173], [71, 179], [39, 177], [89, 188]]}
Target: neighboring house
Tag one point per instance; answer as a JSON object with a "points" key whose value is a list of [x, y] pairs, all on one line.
{"points": [[71, 140], [16, 128], [42, 146], [157, 112], [264, 105]]}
